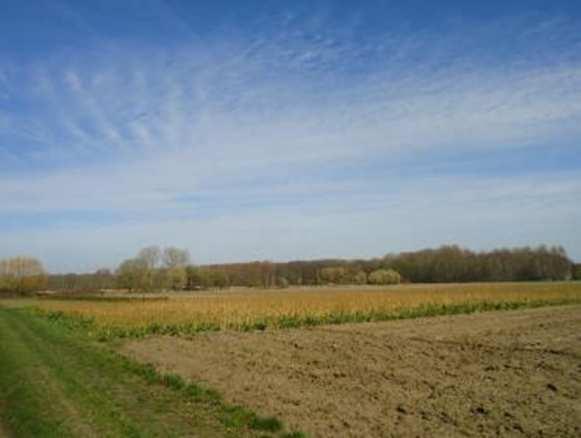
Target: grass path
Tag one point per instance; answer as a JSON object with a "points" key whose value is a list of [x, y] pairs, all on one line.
{"points": [[55, 384]]}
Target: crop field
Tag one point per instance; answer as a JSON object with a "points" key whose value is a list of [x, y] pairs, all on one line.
{"points": [[245, 310], [501, 359], [509, 373]]}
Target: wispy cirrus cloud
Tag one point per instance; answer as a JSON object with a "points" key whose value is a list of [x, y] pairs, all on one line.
{"points": [[291, 121], [183, 98]]}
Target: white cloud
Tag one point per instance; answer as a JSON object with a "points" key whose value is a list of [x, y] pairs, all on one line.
{"points": [[178, 148], [345, 221], [158, 136]]}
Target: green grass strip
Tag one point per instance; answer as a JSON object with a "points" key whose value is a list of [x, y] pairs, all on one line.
{"points": [[56, 382]]}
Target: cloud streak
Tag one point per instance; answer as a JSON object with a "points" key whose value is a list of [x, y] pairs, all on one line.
{"points": [[200, 136]]}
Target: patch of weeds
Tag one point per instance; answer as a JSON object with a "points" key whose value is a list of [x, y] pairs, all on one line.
{"points": [[233, 416], [289, 321], [260, 325], [197, 392], [148, 372], [270, 424], [237, 416], [173, 381]]}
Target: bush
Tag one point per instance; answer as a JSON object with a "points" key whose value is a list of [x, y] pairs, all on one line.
{"points": [[360, 278], [282, 282], [384, 276], [577, 271]]}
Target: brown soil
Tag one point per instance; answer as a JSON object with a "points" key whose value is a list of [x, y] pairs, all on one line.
{"points": [[3, 429], [3, 433], [503, 373]]}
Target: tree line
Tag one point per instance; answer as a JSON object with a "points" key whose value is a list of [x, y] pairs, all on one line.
{"points": [[446, 264], [170, 269], [154, 269], [21, 275], [455, 264]]}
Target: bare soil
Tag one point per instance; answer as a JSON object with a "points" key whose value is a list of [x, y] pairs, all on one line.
{"points": [[512, 373], [3, 432]]}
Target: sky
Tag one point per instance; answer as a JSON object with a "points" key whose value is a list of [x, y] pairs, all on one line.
{"points": [[272, 130]]}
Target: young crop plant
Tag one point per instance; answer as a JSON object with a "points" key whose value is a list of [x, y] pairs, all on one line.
{"points": [[249, 311]]}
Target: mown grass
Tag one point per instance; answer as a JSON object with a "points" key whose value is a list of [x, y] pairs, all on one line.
{"points": [[276, 310], [55, 382]]}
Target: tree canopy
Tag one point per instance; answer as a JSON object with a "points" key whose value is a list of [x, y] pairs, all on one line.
{"points": [[154, 268], [22, 275]]}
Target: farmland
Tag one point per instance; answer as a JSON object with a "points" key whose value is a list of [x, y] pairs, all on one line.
{"points": [[290, 219], [422, 360], [512, 373], [249, 309], [56, 383]]}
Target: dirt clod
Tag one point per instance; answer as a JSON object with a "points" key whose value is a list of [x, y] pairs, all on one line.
{"points": [[401, 409]]}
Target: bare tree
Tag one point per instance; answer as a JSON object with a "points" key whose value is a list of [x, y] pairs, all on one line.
{"points": [[151, 255], [175, 257], [22, 275]]}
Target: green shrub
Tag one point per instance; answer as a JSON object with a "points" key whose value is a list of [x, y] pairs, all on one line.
{"points": [[577, 271], [384, 276]]}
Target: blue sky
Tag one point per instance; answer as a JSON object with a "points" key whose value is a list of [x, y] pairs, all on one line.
{"points": [[285, 130]]}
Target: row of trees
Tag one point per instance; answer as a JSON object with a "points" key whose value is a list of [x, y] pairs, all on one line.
{"points": [[156, 269], [21, 275], [455, 264], [268, 275], [98, 280], [444, 264], [316, 272], [357, 275]]}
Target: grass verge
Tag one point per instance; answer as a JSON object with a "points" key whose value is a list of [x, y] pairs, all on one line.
{"points": [[56, 382]]}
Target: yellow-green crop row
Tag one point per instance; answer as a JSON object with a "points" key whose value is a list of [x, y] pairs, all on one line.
{"points": [[247, 310]]}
